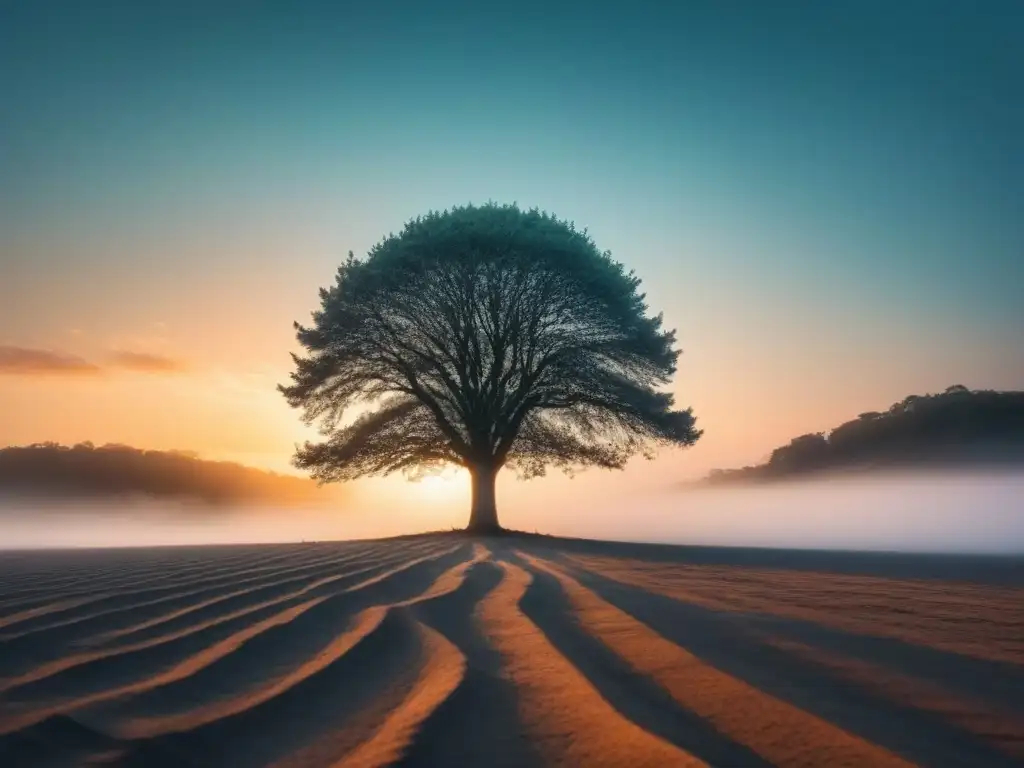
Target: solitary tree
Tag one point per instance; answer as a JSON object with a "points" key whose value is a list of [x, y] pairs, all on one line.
{"points": [[484, 337]]}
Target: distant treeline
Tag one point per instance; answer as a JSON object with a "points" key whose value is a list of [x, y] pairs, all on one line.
{"points": [[51, 470], [958, 427]]}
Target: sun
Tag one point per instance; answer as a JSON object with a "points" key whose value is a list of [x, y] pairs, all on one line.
{"points": [[444, 487]]}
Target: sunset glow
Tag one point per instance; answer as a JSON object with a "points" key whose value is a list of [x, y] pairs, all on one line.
{"points": [[827, 238], [526, 384]]}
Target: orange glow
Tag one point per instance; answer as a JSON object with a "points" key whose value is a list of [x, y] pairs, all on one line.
{"points": [[201, 374], [445, 487]]}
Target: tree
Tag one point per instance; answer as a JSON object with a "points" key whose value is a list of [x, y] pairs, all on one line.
{"points": [[955, 428], [803, 452], [484, 337]]}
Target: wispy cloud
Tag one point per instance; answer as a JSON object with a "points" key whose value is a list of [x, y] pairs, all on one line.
{"points": [[28, 361], [145, 362], [25, 361]]}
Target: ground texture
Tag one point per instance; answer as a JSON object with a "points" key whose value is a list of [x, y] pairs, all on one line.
{"points": [[447, 651]]}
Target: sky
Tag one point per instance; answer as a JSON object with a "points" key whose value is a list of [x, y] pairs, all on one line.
{"points": [[823, 198]]}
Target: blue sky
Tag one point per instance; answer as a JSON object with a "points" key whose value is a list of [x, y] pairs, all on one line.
{"points": [[825, 199]]}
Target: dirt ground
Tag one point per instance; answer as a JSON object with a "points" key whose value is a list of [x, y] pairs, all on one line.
{"points": [[448, 651]]}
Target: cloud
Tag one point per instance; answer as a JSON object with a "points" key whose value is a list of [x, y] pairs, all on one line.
{"points": [[24, 361], [144, 362], [27, 361]]}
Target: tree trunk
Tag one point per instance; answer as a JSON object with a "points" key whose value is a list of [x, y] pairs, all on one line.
{"points": [[483, 517]]}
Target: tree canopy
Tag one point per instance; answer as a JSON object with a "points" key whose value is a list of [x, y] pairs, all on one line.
{"points": [[956, 427], [484, 337]]}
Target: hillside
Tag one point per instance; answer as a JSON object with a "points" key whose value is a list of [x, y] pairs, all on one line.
{"points": [[50, 470], [955, 428]]}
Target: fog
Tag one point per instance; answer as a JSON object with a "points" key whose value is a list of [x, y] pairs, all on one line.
{"points": [[164, 523], [926, 513]]}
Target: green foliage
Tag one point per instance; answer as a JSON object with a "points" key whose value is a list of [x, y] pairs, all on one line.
{"points": [[484, 337]]}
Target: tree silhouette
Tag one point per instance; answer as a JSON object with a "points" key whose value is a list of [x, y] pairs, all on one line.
{"points": [[53, 471], [484, 337], [957, 427]]}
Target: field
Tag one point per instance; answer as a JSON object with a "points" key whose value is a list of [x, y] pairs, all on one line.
{"points": [[448, 651]]}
